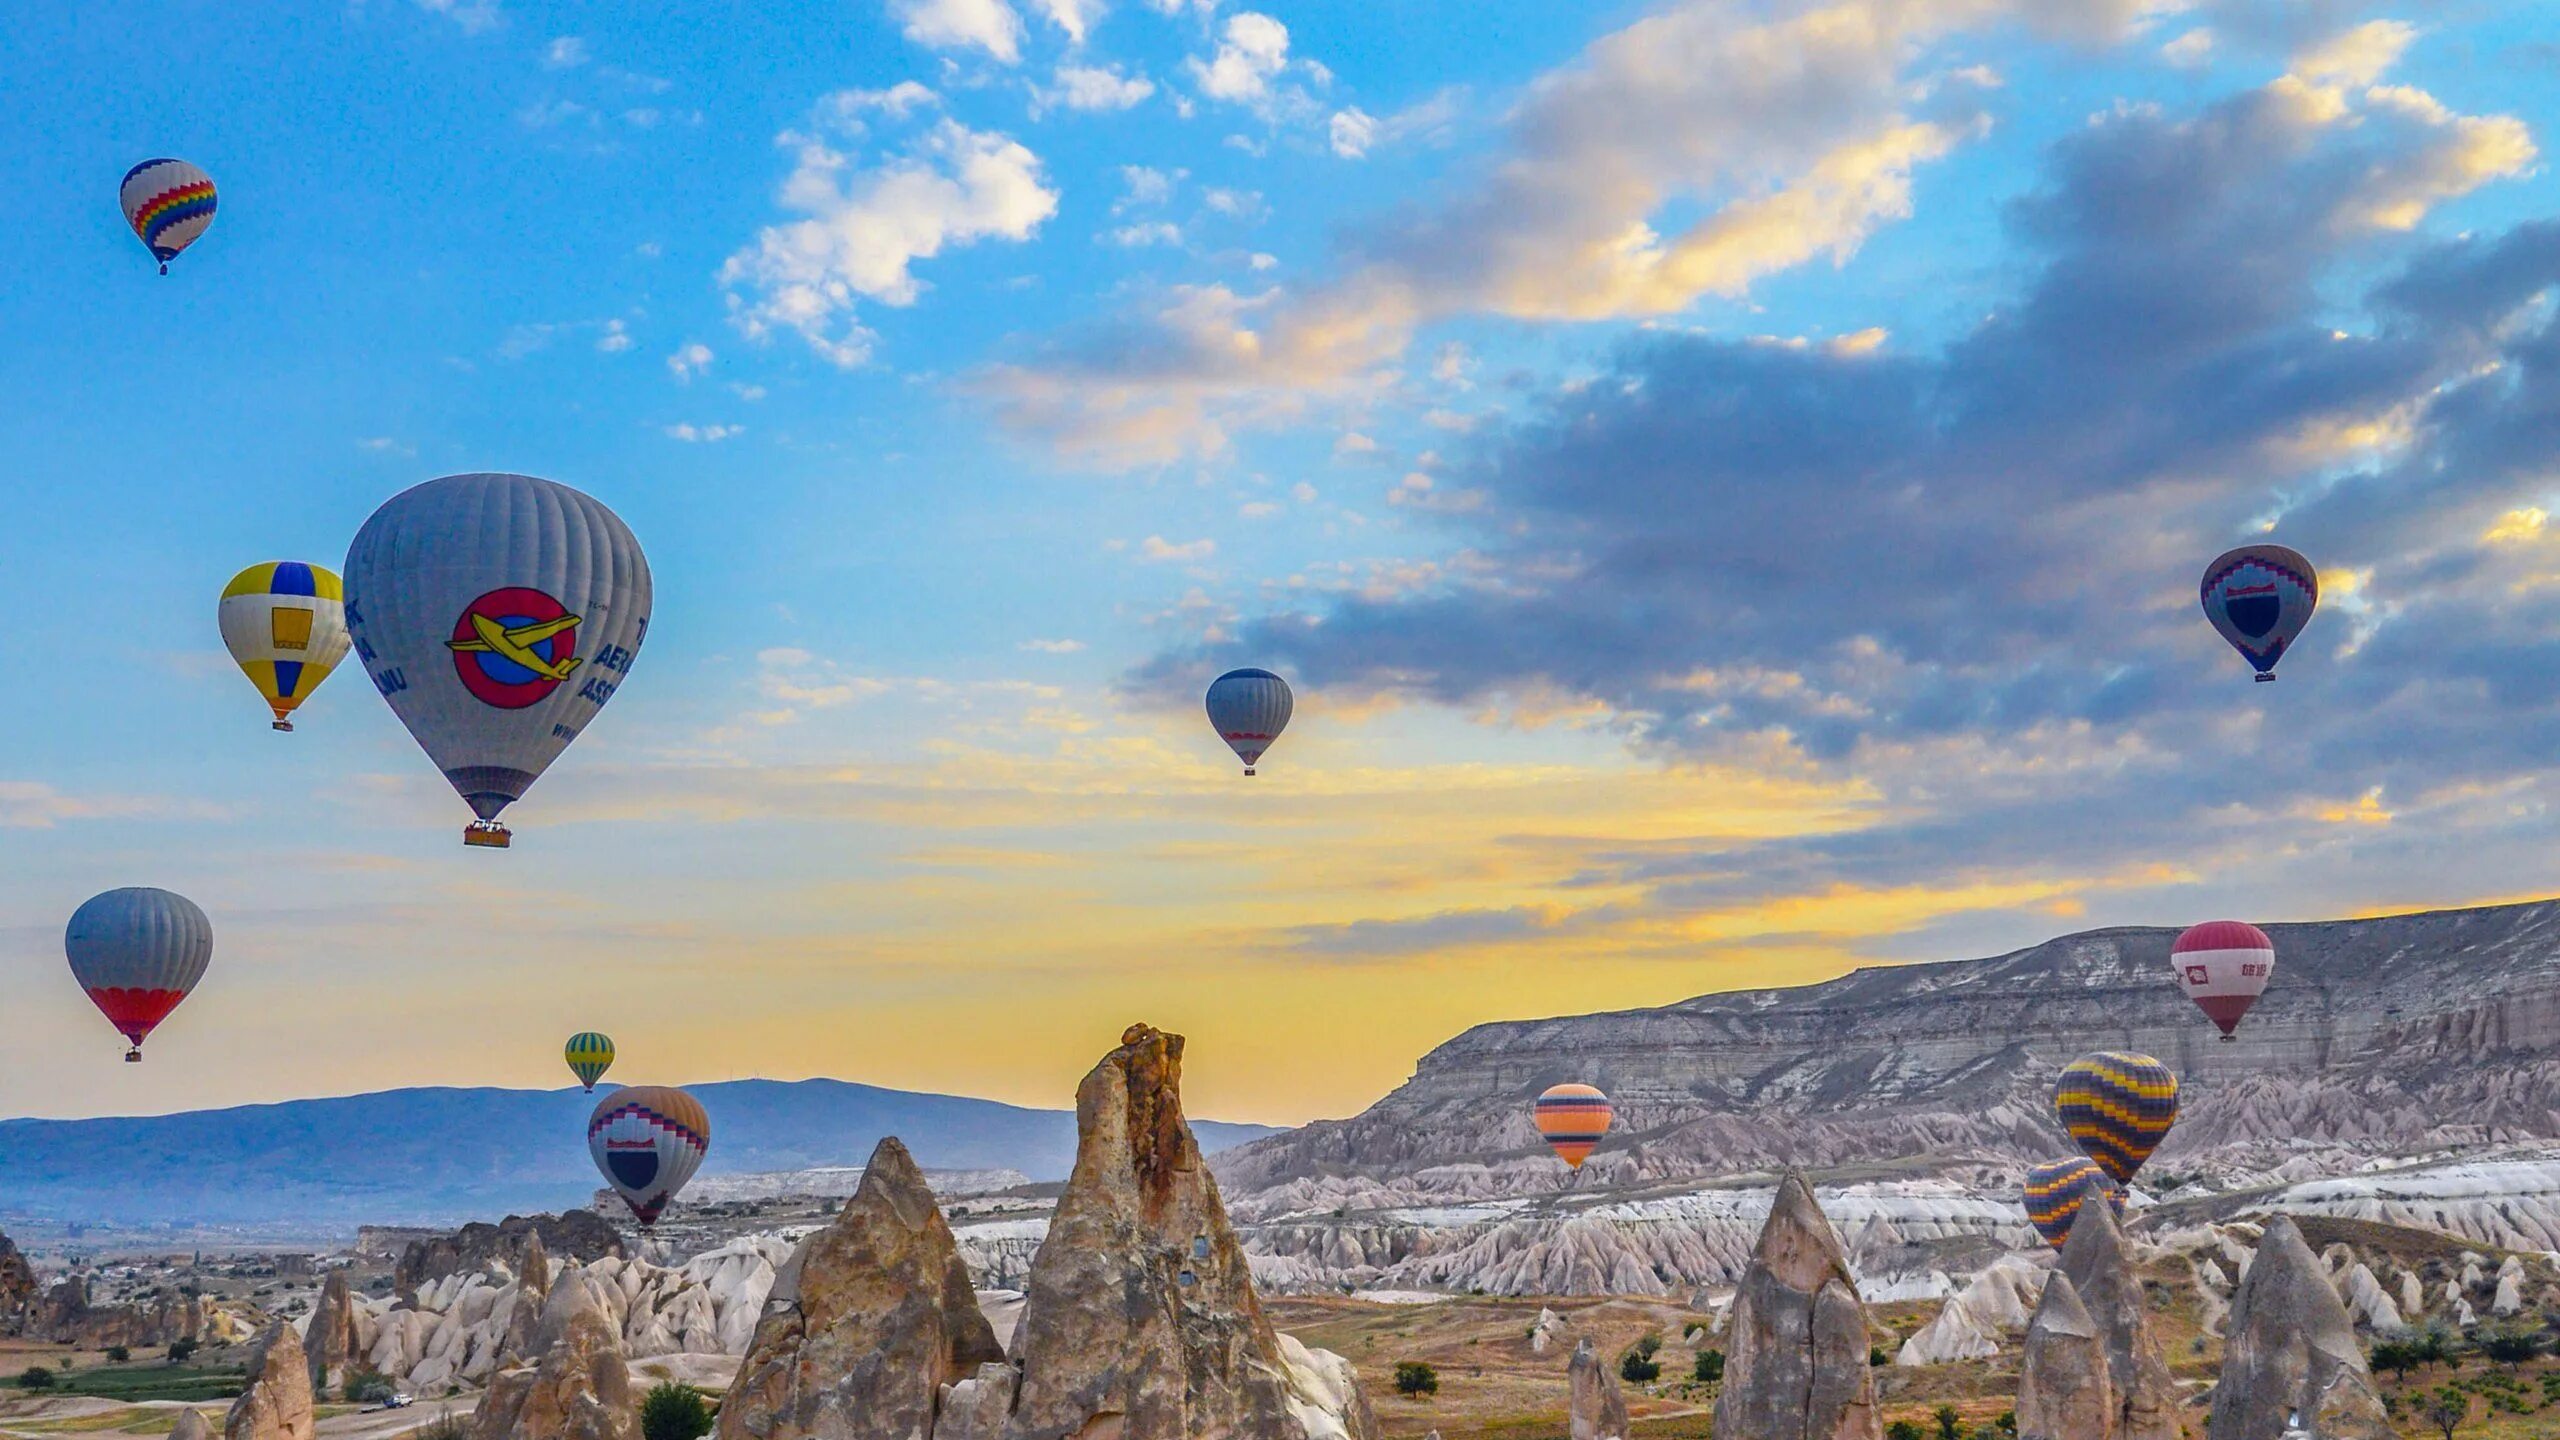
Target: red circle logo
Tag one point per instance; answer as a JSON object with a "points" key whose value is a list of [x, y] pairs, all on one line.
{"points": [[513, 647]]}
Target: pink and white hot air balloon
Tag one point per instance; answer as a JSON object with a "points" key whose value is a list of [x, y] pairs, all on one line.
{"points": [[2224, 966]]}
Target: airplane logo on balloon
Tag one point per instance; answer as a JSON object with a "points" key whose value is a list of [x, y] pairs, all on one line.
{"points": [[513, 647]]}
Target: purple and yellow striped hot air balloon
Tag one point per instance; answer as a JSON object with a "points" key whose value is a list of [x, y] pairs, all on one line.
{"points": [[2056, 1190], [1573, 1117], [2118, 1106], [169, 204]]}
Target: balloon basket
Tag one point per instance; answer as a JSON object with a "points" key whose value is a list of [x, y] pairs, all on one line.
{"points": [[2266, 677], [487, 833], [284, 725], [1248, 772], [133, 1056]]}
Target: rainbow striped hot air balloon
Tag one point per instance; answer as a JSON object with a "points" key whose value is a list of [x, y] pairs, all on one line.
{"points": [[2056, 1190], [285, 624], [589, 1055], [2117, 1106], [169, 203], [1573, 1117], [648, 1140]]}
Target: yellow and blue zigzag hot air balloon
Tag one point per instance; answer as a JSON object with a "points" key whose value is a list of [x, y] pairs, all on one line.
{"points": [[2056, 1190], [589, 1055], [285, 622], [2117, 1106]]}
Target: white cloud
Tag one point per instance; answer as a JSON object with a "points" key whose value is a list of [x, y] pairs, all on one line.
{"points": [[385, 445], [1142, 186], [1133, 237], [691, 359], [1156, 547], [474, 16], [615, 339], [844, 109], [2191, 51], [2355, 57], [704, 434], [864, 229], [1353, 131], [1252, 52], [1076, 17], [988, 25], [1257, 510], [748, 393], [1053, 647], [1241, 204], [1095, 87], [566, 53]]}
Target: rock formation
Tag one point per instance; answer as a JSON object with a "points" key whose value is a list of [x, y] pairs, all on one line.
{"points": [[2100, 1264], [879, 1327], [1970, 1325], [19, 1293], [2292, 1348], [979, 1407], [1142, 1322], [277, 1403], [191, 1425], [1599, 1410], [579, 1389], [1796, 1351], [2065, 1392], [579, 1235], [329, 1341]]}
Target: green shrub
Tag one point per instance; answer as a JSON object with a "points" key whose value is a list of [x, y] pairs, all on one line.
{"points": [[364, 1387], [1904, 1430], [179, 1350], [674, 1411], [1710, 1367], [1635, 1369], [1950, 1424], [117, 1354], [35, 1377], [1416, 1378]]}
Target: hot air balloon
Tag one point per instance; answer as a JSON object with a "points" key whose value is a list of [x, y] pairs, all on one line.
{"points": [[589, 1055], [2117, 1106], [169, 203], [1573, 1117], [2057, 1189], [1250, 709], [286, 625], [648, 1140], [2224, 965], [497, 614], [2260, 597], [138, 951]]}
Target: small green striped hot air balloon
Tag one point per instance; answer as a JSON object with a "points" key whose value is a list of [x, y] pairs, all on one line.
{"points": [[589, 1055]]}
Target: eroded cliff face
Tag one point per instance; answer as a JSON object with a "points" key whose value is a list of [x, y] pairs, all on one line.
{"points": [[2388, 1034]]}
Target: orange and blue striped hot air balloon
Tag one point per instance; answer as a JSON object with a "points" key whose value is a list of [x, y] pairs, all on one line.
{"points": [[169, 203], [2118, 1106], [2056, 1190], [1573, 1117]]}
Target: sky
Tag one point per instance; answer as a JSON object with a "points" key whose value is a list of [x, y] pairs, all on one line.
{"points": [[1726, 481]]}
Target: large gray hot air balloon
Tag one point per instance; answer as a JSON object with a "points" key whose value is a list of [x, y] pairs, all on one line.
{"points": [[138, 951], [1250, 709], [496, 613]]}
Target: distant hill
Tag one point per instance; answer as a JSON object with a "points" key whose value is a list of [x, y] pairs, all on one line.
{"points": [[438, 1156]]}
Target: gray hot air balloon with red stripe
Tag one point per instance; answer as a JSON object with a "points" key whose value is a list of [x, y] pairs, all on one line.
{"points": [[1249, 708], [138, 952]]}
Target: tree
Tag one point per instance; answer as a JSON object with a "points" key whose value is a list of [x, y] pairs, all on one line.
{"points": [[2446, 1410], [1950, 1424], [118, 1354], [2511, 1348], [179, 1350], [1904, 1430], [365, 1387], [1636, 1369], [1710, 1367], [2006, 1424], [2433, 1344], [674, 1411], [1413, 1377], [35, 1377], [2399, 1357]]}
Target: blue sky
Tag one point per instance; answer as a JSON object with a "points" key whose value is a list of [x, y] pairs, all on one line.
{"points": [[1726, 479]]}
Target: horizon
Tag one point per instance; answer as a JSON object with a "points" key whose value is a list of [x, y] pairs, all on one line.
{"points": [[1726, 523]]}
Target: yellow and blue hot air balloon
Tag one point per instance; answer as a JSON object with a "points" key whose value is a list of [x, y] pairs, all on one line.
{"points": [[2118, 1106], [589, 1055], [285, 622], [2056, 1190]]}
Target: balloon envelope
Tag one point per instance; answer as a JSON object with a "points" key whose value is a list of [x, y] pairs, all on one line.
{"points": [[2224, 966], [285, 624], [497, 614], [2117, 1106], [1573, 1117], [169, 204], [2259, 597], [1249, 708], [648, 1140], [138, 951], [2056, 1190], [589, 1055]]}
